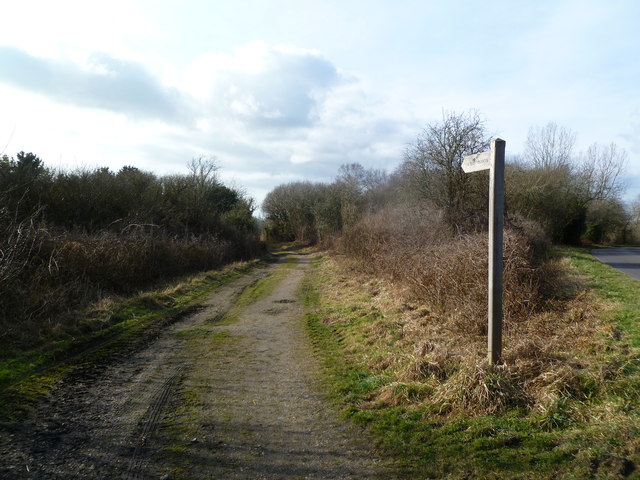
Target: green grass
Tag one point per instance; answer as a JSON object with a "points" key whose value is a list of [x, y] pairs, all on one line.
{"points": [[573, 440], [26, 376], [613, 286]]}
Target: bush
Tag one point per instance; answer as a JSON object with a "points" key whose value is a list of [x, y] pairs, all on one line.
{"points": [[26, 264], [70, 238], [413, 248], [44, 278]]}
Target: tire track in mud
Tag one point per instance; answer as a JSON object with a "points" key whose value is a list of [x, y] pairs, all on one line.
{"points": [[92, 424], [150, 424]]}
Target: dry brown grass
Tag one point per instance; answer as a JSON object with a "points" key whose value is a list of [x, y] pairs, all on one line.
{"points": [[46, 279], [417, 311], [551, 357], [445, 272]]}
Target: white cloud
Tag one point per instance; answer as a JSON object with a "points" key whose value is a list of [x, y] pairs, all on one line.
{"points": [[291, 113], [105, 83], [269, 113], [70, 28], [156, 83], [263, 86]]}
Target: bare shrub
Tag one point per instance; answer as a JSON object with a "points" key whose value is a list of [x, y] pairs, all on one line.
{"points": [[46, 278], [26, 263], [447, 273], [97, 233], [126, 263], [435, 289]]}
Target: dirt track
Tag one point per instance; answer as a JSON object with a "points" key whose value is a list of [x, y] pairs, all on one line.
{"points": [[209, 398]]}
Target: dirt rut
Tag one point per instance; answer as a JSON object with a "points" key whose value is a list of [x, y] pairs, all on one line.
{"points": [[209, 398]]}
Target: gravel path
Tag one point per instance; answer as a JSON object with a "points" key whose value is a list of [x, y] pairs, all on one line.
{"points": [[266, 416], [207, 399]]}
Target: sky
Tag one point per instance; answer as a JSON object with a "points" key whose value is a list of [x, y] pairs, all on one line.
{"points": [[286, 90]]}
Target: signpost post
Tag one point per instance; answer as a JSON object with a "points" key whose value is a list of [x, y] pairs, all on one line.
{"points": [[493, 160]]}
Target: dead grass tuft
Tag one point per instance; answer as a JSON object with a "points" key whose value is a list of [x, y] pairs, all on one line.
{"points": [[430, 360], [481, 388]]}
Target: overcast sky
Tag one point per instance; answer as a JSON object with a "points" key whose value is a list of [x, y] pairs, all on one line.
{"points": [[286, 90]]}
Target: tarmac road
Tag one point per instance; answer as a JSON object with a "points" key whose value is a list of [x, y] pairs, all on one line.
{"points": [[624, 259]]}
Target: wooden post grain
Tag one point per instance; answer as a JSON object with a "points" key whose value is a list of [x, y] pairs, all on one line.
{"points": [[496, 225]]}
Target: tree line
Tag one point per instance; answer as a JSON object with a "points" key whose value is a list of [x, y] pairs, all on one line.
{"points": [[71, 238], [573, 196], [195, 203]]}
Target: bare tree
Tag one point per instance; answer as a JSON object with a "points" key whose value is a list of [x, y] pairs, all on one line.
{"points": [[357, 187], [601, 170], [433, 164], [549, 147], [290, 211], [203, 171], [556, 188], [360, 179]]}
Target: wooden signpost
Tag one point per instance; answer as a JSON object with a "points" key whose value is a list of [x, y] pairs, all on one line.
{"points": [[493, 160]]}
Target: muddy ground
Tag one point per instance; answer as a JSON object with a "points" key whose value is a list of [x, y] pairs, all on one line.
{"points": [[214, 396]]}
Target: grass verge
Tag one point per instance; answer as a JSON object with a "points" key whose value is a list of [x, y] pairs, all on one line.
{"points": [[588, 429], [622, 291], [111, 328]]}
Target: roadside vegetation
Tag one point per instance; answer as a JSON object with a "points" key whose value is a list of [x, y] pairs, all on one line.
{"points": [[79, 249], [398, 306], [71, 239], [563, 405]]}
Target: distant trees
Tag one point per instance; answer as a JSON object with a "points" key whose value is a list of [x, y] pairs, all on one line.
{"points": [[358, 189], [557, 188], [195, 203], [22, 182], [311, 212], [573, 197], [290, 210]]}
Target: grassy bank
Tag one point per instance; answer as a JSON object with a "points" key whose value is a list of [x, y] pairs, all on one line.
{"points": [[619, 289], [445, 419], [109, 328]]}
